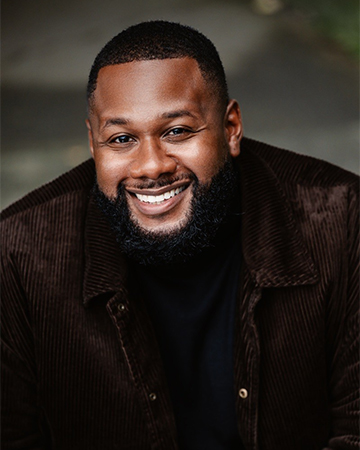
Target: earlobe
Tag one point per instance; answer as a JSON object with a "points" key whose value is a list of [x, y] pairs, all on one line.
{"points": [[233, 126], [90, 137]]}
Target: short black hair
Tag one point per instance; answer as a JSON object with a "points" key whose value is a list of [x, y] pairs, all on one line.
{"points": [[162, 40]]}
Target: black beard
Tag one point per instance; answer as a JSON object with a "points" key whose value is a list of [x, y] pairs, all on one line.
{"points": [[209, 207]]}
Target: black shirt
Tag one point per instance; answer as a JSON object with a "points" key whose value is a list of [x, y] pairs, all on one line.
{"points": [[192, 306]]}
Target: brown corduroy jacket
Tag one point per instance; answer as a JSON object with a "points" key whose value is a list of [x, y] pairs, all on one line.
{"points": [[81, 366]]}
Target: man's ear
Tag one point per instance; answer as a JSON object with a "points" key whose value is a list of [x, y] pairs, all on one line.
{"points": [[233, 127], [90, 137]]}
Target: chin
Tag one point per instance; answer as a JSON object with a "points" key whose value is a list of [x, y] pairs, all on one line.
{"points": [[161, 229]]}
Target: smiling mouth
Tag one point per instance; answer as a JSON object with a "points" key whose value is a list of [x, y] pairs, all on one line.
{"points": [[158, 199]]}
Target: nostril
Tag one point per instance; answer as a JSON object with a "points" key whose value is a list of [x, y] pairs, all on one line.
{"points": [[152, 167]]}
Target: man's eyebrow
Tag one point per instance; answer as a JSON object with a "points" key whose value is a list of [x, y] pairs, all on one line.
{"points": [[115, 121], [177, 113]]}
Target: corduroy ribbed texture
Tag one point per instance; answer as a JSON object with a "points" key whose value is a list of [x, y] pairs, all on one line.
{"points": [[81, 367]]}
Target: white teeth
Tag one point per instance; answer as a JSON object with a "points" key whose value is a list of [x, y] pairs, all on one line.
{"points": [[159, 198]]}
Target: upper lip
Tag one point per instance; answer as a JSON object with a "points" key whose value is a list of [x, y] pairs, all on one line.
{"points": [[158, 191]]}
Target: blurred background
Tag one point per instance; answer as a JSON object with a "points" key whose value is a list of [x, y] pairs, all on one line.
{"points": [[292, 64]]}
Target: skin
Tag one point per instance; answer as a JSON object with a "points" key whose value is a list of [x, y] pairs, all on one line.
{"points": [[157, 122]]}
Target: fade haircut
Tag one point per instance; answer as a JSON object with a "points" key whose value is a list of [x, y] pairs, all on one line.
{"points": [[162, 40]]}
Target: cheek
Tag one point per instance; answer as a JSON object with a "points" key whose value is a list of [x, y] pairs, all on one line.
{"points": [[208, 159], [109, 172]]}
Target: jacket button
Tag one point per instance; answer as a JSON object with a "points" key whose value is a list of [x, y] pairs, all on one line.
{"points": [[152, 396], [243, 393], [121, 307]]}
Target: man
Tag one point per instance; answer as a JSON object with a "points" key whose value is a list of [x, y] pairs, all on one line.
{"points": [[200, 294]]}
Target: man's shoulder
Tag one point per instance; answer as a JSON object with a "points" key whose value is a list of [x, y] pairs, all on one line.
{"points": [[75, 182], [296, 169], [50, 215]]}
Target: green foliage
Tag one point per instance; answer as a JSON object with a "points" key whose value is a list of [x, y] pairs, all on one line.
{"points": [[337, 19]]}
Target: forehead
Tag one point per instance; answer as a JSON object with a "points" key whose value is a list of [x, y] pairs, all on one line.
{"points": [[158, 83]]}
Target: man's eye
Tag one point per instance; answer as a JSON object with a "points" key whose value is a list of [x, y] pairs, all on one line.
{"points": [[177, 131], [179, 134], [123, 139]]}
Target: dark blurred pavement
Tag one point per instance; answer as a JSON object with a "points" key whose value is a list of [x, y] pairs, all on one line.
{"points": [[295, 90]]}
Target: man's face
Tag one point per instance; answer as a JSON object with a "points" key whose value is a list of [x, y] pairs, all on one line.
{"points": [[154, 128]]}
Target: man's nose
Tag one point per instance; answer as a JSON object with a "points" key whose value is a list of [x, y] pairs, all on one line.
{"points": [[152, 161]]}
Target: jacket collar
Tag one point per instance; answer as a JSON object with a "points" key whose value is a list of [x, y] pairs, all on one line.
{"points": [[105, 266], [273, 249]]}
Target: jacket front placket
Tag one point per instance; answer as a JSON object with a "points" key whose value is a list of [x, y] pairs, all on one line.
{"points": [[274, 256], [139, 345], [247, 361], [106, 274]]}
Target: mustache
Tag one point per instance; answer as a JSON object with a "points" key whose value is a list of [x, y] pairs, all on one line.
{"points": [[159, 183]]}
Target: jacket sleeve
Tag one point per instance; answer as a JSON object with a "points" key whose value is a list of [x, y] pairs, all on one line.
{"points": [[344, 377], [21, 424]]}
